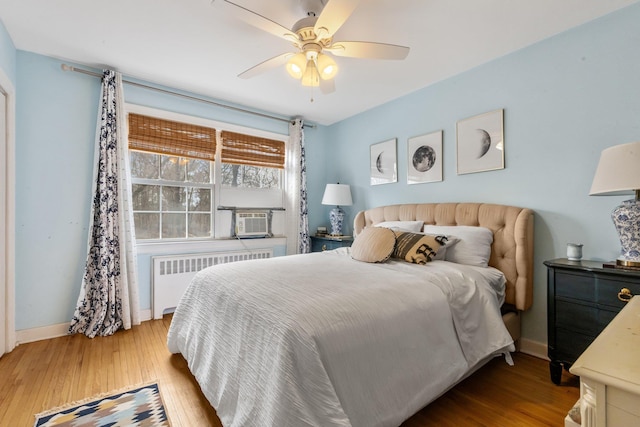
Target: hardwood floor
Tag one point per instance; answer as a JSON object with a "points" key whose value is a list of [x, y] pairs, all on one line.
{"points": [[38, 376]]}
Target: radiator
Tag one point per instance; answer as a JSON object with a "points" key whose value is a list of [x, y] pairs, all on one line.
{"points": [[171, 274]]}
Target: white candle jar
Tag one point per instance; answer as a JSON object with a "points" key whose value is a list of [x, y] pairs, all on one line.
{"points": [[574, 251]]}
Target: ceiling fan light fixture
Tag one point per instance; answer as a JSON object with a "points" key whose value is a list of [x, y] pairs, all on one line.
{"points": [[296, 65], [312, 36], [327, 67], [311, 76]]}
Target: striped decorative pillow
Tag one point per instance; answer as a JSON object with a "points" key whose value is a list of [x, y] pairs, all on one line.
{"points": [[418, 248]]}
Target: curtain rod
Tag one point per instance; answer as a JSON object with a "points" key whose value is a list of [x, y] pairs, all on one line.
{"points": [[66, 67]]}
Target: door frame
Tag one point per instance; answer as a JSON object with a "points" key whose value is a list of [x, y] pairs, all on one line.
{"points": [[9, 280]]}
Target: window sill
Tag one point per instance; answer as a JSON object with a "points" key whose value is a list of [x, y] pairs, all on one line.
{"points": [[228, 244]]}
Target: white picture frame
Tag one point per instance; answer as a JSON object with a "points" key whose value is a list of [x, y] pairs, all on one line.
{"points": [[383, 162], [424, 158], [480, 143]]}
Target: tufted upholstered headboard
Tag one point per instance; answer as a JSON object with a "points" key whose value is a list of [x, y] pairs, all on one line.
{"points": [[512, 248]]}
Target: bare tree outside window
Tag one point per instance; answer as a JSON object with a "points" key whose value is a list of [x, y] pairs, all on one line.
{"points": [[144, 165], [250, 176], [172, 196]]}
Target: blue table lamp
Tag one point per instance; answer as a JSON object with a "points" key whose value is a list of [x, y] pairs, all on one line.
{"points": [[338, 195], [618, 173]]}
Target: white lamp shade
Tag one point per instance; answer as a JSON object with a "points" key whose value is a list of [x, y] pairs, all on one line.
{"points": [[296, 65], [618, 171], [337, 194], [327, 67]]}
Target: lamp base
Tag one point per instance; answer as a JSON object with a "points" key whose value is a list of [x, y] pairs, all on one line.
{"points": [[626, 218], [615, 265], [625, 263], [336, 216]]}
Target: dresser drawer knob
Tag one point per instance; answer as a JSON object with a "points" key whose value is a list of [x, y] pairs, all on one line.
{"points": [[625, 295]]}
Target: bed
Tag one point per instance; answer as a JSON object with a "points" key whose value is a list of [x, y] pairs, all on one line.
{"points": [[324, 339]]}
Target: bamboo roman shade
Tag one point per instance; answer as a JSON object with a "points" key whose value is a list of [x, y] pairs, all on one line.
{"points": [[241, 149], [172, 138]]}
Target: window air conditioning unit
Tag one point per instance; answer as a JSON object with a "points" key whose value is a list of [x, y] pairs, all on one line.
{"points": [[252, 224]]}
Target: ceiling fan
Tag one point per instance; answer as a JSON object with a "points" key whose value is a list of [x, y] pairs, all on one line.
{"points": [[312, 36]]}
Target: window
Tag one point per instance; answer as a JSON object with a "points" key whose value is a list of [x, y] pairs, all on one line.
{"points": [[251, 162], [250, 176], [173, 168], [171, 196]]}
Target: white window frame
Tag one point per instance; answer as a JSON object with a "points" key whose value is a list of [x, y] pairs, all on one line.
{"points": [[183, 184], [222, 195]]}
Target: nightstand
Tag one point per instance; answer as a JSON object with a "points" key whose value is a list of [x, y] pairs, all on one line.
{"points": [[610, 379], [582, 298], [326, 243]]}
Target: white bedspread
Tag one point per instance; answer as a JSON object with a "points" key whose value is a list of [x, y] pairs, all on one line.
{"points": [[323, 340]]}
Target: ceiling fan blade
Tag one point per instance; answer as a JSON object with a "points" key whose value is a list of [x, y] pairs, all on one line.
{"points": [[368, 50], [334, 14], [258, 20], [267, 65], [327, 86]]}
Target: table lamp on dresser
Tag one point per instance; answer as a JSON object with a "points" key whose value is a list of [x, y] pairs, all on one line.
{"points": [[618, 174], [338, 195]]}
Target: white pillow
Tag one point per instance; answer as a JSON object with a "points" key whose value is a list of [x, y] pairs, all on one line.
{"points": [[411, 226], [473, 248]]}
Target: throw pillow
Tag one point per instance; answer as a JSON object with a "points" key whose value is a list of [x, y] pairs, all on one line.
{"points": [[418, 248], [373, 244]]}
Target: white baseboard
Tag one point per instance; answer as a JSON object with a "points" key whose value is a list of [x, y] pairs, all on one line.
{"points": [[534, 348], [24, 336], [145, 315], [54, 331]]}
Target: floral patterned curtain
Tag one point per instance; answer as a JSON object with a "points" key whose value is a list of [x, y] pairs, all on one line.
{"points": [[297, 191], [108, 297]]}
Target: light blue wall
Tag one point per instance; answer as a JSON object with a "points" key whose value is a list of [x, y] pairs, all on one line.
{"points": [[7, 54], [55, 133], [565, 99], [56, 113]]}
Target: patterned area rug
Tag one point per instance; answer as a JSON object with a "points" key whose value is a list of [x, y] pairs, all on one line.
{"points": [[140, 407]]}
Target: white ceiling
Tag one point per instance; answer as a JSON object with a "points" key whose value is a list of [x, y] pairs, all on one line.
{"points": [[193, 45]]}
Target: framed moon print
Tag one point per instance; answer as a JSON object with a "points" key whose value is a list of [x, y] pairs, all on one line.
{"points": [[481, 143], [383, 163], [424, 158]]}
